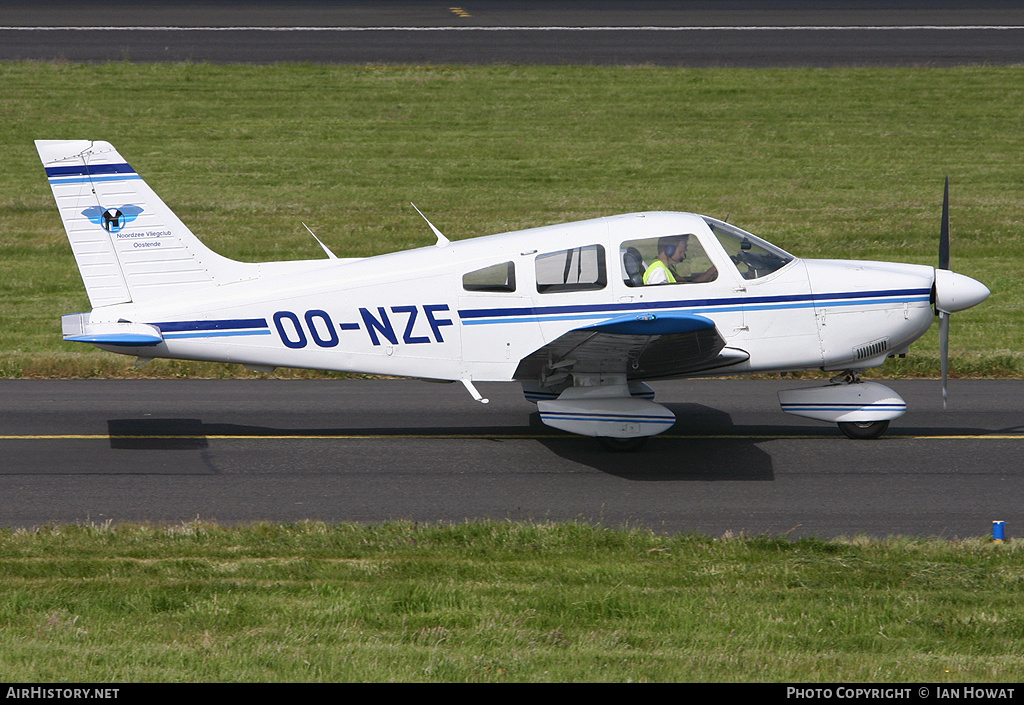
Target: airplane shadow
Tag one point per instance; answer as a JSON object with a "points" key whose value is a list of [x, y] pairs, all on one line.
{"points": [[704, 446], [675, 458], [158, 434], [660, 460]]}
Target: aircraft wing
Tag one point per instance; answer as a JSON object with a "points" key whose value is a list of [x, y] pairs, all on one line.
{"points": [[643, 346]]}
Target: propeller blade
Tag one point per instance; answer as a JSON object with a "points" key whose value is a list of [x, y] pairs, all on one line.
{"points": [[943, 316], [944, 230], [944, 355]]}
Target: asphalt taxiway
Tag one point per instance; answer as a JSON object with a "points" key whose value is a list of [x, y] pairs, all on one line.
{"points": [[744, 33], [372, 450]]}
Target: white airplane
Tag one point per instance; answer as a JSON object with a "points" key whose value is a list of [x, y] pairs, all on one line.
{"points": [[581, 314]]}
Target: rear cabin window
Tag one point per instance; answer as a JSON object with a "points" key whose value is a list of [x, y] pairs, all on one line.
{"points": [[497, 277], [576, 269]]}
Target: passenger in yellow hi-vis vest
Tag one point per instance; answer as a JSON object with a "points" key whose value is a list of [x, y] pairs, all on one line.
{"points": [[672, 251]]}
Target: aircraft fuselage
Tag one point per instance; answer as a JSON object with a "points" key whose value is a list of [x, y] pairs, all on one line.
{"points": [[411, 314]]}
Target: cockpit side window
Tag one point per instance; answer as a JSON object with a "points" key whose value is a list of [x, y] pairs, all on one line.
{"points": [[576, 269], [497, 277], [671, 259], [753, 257]]}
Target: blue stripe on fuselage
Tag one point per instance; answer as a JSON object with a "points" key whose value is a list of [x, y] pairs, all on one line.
{"points": [[222, 324], [228, 327], [754, 303], [216, 334]]}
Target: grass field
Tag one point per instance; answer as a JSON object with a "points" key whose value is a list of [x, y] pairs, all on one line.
{"points": [[501, 602], [843, 163], [826, 163]]}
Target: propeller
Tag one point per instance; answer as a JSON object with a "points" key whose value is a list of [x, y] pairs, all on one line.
{"points": [[953, 292], [944, 316]]}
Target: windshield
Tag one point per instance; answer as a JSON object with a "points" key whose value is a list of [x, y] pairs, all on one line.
{"points": [[752, 256]]}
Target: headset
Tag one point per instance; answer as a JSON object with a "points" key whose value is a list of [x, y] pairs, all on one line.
{"points": [[670, 250]]}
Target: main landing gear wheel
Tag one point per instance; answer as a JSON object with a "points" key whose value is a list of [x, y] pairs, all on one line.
{"points": [[622, 445], [863, 429]]}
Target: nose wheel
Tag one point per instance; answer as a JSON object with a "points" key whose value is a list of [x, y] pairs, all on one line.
{"points": [[862, 430], [622, 445]]}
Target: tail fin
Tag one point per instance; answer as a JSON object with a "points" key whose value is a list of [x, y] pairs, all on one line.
{"points": [[128, 244]]}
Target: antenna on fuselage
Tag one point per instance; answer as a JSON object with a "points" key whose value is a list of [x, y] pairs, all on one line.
{"points": [[330, 254], [442, 241]]}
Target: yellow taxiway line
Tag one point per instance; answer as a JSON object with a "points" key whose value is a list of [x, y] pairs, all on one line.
{"points": [[371, 436]]}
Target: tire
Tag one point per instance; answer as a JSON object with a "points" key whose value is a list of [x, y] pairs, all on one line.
{"points": [[622, 445], [863, 430]]}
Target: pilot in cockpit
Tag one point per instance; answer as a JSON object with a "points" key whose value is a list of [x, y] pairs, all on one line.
{"points": [[672, 251]]}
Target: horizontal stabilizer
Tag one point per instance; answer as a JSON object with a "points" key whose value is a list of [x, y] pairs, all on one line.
{"points": [[132, 340], [77, 328]]}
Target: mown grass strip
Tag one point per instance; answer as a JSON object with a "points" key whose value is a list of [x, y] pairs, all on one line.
{"points": [[839, 163], [501, 602]]}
